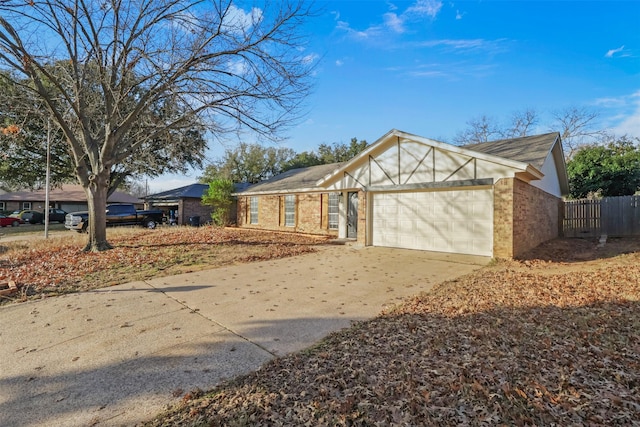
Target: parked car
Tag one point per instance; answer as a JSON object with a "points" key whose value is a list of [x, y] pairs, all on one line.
{"points": [[119, 214], [25, 215], [9, 220], [55, 215]]}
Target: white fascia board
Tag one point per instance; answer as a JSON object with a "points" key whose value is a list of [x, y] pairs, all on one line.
{"points": [[274, 192]]}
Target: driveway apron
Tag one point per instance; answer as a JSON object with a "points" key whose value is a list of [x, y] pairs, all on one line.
{"points": [[119, 355]]}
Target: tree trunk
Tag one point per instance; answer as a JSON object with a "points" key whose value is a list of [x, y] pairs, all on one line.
{"points": [[97, 199]]}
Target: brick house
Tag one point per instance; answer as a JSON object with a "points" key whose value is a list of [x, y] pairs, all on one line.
{"points": [[186, 202], [68, 197], [497, 199]]}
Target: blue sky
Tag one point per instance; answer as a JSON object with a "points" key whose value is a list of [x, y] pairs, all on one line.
{"points": [[429, 66]]}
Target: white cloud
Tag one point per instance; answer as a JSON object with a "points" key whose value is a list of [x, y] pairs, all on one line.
{"points": [[610, 102], [237, 67], [370, 32], [240, 21], [394, 22], [459, 15], [630, 124], [427, 73], [452, 71], [625, 113], [429, 8], [339, 63], [612, 52], [456, 44], [468, 45], [308, 59]]}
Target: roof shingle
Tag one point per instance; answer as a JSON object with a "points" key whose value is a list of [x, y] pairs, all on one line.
{"points": [[532, 150], [294, 179]]}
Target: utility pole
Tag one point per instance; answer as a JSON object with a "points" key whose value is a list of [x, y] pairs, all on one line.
{"points": [[46, 183]]}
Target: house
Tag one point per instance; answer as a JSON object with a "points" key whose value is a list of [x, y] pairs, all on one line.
{"points": [[68, 197], [185, 202], [496, 199]]}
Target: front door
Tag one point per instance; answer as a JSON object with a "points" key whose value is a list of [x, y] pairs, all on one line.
{"points": [[352, 215]]}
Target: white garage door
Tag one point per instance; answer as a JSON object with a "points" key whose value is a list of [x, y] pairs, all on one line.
{"points": [[458, 221]]}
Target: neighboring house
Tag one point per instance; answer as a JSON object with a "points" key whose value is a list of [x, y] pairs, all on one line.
{"points": [[496, 199], [70, 198], [186, 202]]}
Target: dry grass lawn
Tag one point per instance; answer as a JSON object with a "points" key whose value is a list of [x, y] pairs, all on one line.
{"points": [[51, 267]]}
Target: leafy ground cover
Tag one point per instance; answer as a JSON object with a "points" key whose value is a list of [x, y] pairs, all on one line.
{"points": [[552, 339], [57, 265]]}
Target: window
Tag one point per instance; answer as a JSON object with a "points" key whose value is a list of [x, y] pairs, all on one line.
{"points": [[333, 210], [26, 206], [289, 210], [253, 210], [2, 206]]}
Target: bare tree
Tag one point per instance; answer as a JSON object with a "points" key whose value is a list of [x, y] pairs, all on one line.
{"points": [[481, 129], [522, 123], [117, 62], [577, 127]]}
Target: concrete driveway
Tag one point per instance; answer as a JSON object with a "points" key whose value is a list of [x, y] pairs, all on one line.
{"points": [[119, 355]]}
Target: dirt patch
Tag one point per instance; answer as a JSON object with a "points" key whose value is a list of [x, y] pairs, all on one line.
{"points": [[573, 255], [580, 250]]}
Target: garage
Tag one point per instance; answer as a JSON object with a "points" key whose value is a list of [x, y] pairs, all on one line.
{"points": [[453, 220]]}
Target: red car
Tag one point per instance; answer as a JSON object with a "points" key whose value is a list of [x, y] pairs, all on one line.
{"points": [[7, 220]]}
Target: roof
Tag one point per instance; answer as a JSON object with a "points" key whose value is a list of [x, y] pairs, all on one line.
{"points": [[524, 153], [65, 193], [193, 191], [301, 179], [532, 150]]}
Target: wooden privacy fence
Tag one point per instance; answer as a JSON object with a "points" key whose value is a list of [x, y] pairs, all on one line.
{"points": [[613, 216]]}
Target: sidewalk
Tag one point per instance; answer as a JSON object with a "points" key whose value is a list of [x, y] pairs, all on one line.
{"points": [[119, 355]]}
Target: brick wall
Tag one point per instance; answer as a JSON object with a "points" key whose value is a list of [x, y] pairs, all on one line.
{"points": [[536, 217], [193, 207], [503, 218], [12, 206], [524, 217], [310, 214]]}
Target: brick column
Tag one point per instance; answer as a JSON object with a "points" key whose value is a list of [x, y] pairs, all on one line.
{"points": [[362, 218], [503, 218]]}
